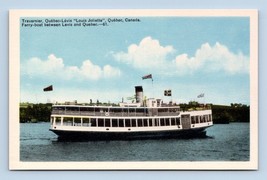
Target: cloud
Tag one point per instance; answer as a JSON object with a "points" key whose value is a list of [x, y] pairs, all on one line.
{"points": [[150, 54], [213, 59], [55, 67]]}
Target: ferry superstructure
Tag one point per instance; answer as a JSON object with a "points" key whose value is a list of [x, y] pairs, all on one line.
{"points": [[149, 118]]}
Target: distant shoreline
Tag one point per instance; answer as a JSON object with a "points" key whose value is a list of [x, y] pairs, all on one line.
{"points": [[221, 114]]}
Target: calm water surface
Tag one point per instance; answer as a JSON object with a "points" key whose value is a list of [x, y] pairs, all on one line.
{"points": [[225, 142]]}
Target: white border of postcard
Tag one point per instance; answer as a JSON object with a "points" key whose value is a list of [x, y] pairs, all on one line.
{"points": [[14, 94]]}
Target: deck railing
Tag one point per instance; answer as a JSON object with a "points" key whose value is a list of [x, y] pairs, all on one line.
{"points": [[120, 112], [146, 112]]}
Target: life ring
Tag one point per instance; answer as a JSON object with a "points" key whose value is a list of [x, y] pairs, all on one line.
{"points": [[106, 113]]}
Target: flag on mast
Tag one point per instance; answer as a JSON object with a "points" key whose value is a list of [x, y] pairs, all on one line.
{"points": [[149, 76], [49, 88]]}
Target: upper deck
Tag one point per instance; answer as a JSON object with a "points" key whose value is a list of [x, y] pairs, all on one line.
{"points": [[114, 111]]}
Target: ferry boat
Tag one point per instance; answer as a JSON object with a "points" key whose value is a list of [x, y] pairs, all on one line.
{"points": [[144, 118]]}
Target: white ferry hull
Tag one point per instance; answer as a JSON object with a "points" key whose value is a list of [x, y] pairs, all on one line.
{"points": [[131, 135]]}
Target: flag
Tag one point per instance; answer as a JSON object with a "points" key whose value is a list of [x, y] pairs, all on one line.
{"points": [[49, 88], [201, 95], [149, 76], [168, 92]]}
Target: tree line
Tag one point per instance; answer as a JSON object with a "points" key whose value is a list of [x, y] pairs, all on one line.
{"points": [[232, 113], [35, 113], [220, 113]]}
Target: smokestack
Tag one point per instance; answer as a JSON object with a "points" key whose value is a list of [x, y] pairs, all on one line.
{"points": [[139, 94]]}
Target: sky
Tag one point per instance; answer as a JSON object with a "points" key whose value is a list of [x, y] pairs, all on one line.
{"points": [[189, 55]]}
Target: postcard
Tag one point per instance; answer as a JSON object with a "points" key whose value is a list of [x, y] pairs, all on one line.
{"points": [[133, 89]]}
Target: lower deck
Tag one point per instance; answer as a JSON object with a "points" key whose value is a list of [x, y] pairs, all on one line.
{"points": [[183, 122]]}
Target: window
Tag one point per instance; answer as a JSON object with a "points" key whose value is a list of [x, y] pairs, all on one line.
{"points": [[70, 108], [133, 122], [162, 111], [93, 122], [145, 122], [85, 121], [125, 111], [150, 122], [167, 121], [127, 123], [100, 122], [84, 108], [193, 120], [107, 122], [103, 110], [173, 122], [115, 123], [162, 122], [67, 121], [121, 124], [117, 110], [156, 122], [197, 119], [77, 121], [58, 120], [140, 111], [59, 108], [140, 122], [87, 110], [176, 110], [132, 111]]}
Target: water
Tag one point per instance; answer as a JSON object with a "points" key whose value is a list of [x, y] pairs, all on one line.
{"points": [[225, 142]]}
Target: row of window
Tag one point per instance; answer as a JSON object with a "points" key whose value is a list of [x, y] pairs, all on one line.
{"points": [[145, 122], [201, 119], [106, 122]]}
